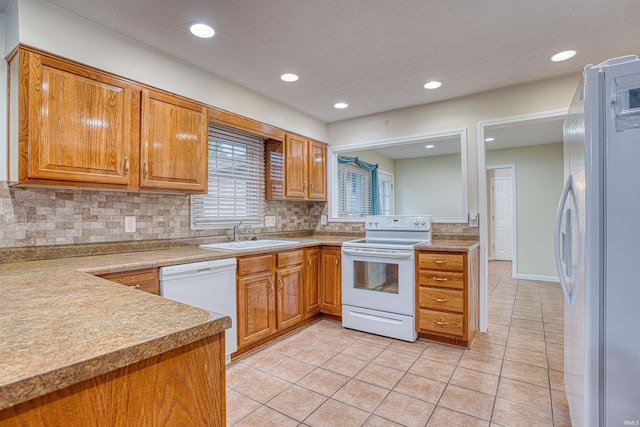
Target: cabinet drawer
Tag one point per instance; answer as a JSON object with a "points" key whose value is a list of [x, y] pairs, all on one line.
{"points": [[443, 279], [441, 299], [441, 322], [255, 264], [287, 259], [145, 280], [441, 261]]}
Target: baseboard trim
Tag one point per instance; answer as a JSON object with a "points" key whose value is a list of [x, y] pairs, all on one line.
{"points": [[538, 278]]}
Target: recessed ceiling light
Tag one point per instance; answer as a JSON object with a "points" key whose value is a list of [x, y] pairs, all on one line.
{"points": [[489, 139], [563, 56], [202, 30], [288, 77], [429, 146], [432, 84], [341, 105]]}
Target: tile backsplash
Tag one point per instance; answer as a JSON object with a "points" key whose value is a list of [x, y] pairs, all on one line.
{"points": [[53, 216]]}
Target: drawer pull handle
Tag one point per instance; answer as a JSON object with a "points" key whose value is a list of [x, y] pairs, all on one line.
{"points": [[440, 262], [439, 299], [440, 323], [126, 165], [145, 170], [440, 279]]}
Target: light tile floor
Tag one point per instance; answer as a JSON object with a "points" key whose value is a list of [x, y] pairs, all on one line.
{"points": [[325, 375]]}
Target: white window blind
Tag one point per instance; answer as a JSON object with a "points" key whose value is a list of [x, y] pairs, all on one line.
{"points": [[236, 180], [354, 191]]}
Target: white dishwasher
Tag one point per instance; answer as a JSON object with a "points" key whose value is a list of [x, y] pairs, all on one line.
{"points": [[209, 285]]}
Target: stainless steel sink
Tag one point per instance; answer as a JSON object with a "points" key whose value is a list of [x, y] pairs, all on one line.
{"points": [[247, 244]]}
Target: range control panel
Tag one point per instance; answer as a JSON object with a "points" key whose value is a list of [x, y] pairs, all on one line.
{"points": [[398, 222]]}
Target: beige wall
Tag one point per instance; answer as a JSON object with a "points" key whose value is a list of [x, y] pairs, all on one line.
{"points": [[384, 163], [539, 181], [429, 185], [458, 113], [54, 30]]}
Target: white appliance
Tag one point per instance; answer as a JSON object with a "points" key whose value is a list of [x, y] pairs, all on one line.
{"points": [[597, 246], [209, 285], [378, 276]]}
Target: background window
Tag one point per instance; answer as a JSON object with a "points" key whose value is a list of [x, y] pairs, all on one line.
{"points": [[236, 181], [355, 191], [385, 190]]}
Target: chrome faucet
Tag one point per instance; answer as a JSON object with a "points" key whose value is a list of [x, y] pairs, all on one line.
{"points": [[236, 230]]}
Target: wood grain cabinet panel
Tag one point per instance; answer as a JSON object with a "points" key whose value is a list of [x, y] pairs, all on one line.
{"points": [[74, 124], [295, 166], [311, 305], [182, 387], [295, 169], [447, 296], [256, 308], [174, 143], [145, 280], [331, 279], [290, 283]]}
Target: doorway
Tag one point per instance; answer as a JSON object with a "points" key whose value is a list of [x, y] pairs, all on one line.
{"points": [[528, 121], [501, 214]]}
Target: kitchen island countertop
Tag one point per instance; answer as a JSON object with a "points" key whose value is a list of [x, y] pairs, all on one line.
{"points": [[61, 324]]}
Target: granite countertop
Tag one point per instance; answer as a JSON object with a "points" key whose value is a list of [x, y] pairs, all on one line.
{"points": [[61, 324], [449, 245]]}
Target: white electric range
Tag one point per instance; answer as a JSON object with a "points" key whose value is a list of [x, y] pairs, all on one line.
{"points": [[378, 276]]}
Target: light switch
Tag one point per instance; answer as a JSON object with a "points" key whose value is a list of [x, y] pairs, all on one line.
{"points": [[323, 220]]}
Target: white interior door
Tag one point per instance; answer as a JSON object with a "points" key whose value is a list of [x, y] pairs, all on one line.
{"points": [[502, 218]]}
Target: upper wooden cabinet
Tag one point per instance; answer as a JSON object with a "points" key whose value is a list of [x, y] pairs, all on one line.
{"points": [[296, 169], [73, 125], [173, 152]]}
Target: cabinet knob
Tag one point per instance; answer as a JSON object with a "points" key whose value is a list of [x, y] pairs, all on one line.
{"points": [[136, 286]]}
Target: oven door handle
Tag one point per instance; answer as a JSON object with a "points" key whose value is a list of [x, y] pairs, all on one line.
{"points": [[377, 254]]}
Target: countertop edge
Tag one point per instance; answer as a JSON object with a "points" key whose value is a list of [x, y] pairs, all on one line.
{"points": [[29, 388]]}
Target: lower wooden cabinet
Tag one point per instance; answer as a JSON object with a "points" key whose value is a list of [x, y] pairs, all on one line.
{"points": [[256, 307], [270, 291], [311, 305], [145, 279], [330, 281], [447, 296], [290, 288], [181, 387]]}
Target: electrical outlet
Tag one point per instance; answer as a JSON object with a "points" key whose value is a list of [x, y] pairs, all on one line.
{"points": [[323, 220], [269, 221], [129, 224]]}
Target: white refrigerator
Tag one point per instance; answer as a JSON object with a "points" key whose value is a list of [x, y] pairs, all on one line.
{"points": [[597, 245]]}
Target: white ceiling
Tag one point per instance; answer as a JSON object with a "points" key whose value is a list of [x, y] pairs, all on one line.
{"points": [[375, 54], [524, 134], [416, 149]]}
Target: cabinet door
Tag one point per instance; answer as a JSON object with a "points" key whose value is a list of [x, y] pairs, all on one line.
{"points": [[256, 308], [317, 171], [144, 280], [312, 279], [75, 123], [295, 165], [331, 289], [290, 291], [174, 144]]}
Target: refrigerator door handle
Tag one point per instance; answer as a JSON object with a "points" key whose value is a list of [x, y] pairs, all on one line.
{"points": [[557, 242]]}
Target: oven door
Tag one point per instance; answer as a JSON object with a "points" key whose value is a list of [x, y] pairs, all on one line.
{"points": [[379, 279]]}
